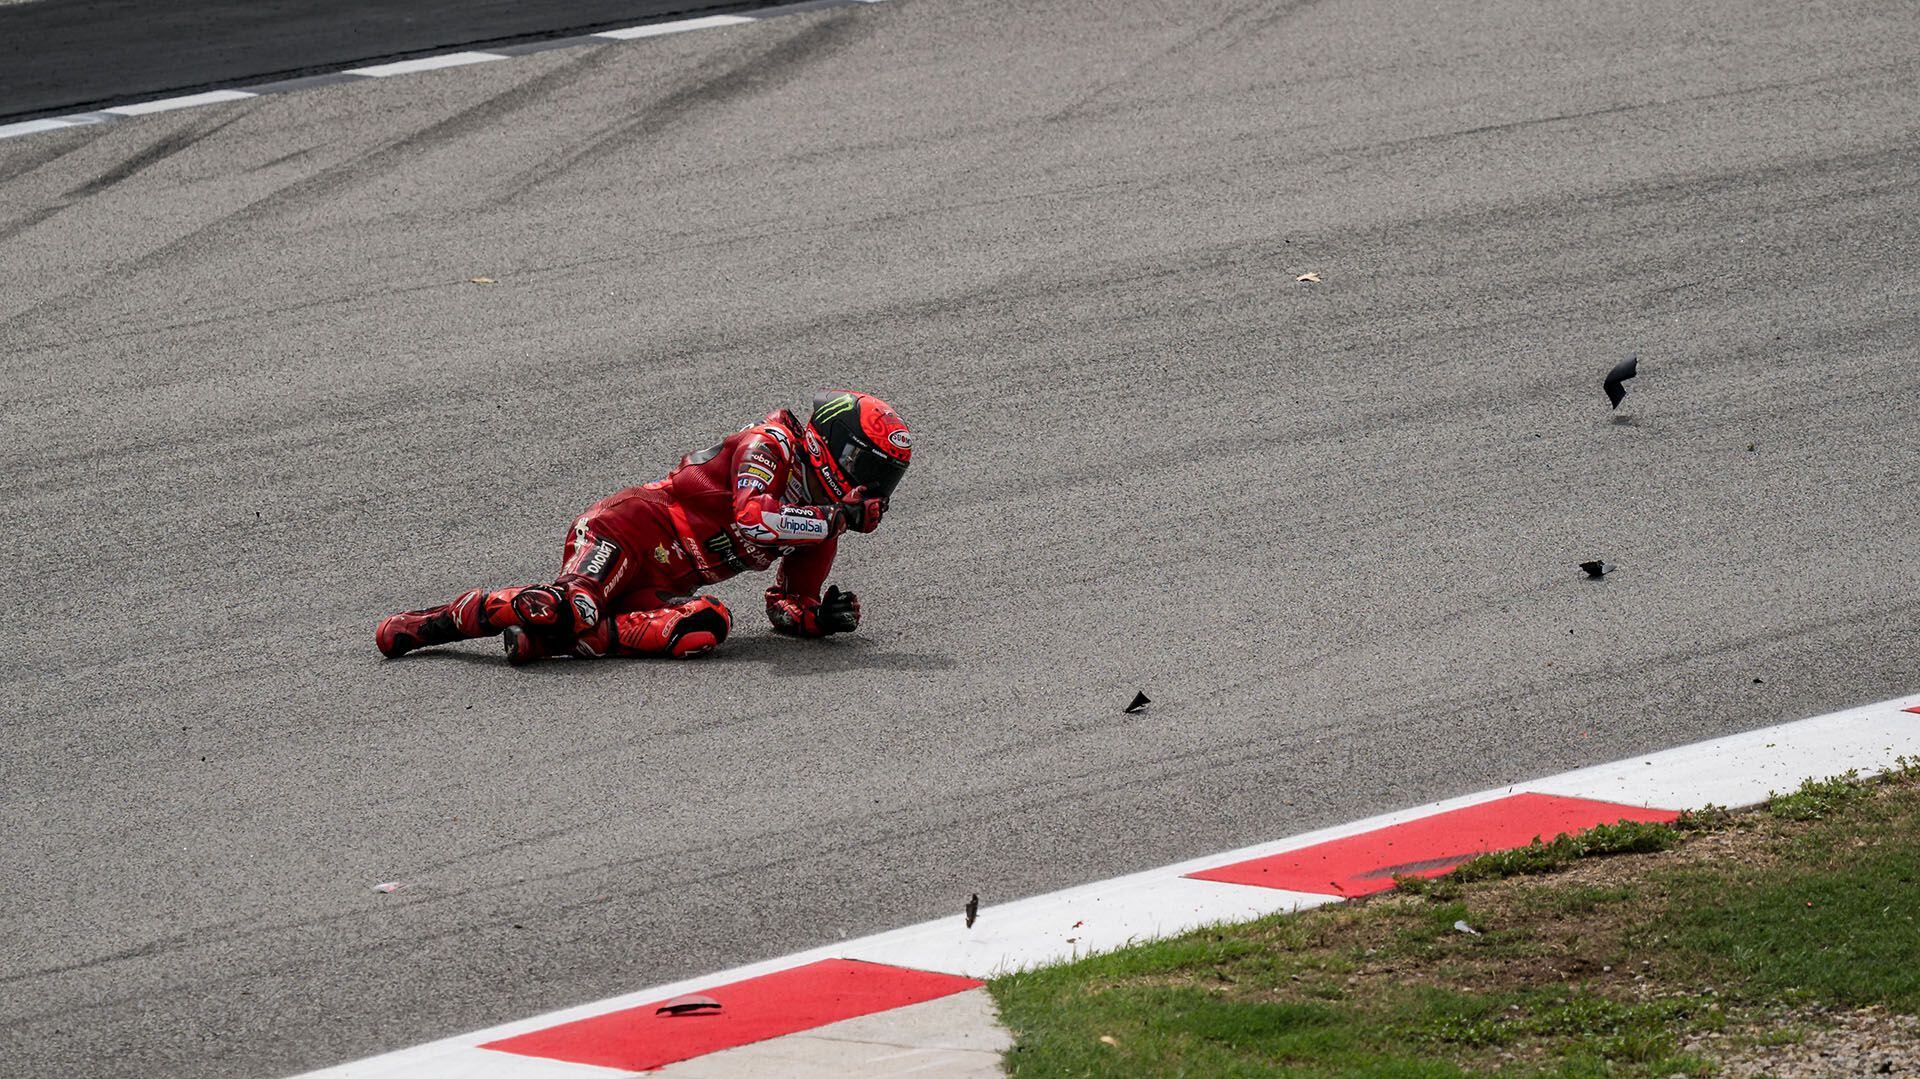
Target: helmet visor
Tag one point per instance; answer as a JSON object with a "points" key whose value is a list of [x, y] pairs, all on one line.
{"points": [[869, 468]]}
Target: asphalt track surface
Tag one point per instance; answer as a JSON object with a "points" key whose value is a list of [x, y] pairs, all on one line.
{"points": [[254, 403], [65, 55]]}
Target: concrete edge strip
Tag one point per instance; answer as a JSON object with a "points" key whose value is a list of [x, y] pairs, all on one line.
{"points": [[1737, 770], [459, 58]]}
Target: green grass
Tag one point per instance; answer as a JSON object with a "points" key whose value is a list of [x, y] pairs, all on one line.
{"points": [[1625, 837], [1814, 900], [1818, 799]]}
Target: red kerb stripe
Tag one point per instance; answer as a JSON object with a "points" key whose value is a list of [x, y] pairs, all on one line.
{"points": [[753, 1010], [1428, 847]]}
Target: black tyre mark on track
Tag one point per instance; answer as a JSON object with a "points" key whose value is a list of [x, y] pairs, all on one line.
{"points": [[282, 159], [738, 78], [482, 115], [49, 151], [318, 187], [8, 232], [165, 147], [1239, 24], [158, 151]]}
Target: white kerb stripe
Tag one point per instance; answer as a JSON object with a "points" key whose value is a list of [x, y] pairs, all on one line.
{"points": [[31, 127], [168, 104], [1742, 769], [425, 63], [683, 25], [1067, 925]]}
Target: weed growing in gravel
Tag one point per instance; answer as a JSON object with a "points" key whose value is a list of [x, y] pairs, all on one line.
{"points": [[1708, 818], [1626, 837], [1818, 798]]}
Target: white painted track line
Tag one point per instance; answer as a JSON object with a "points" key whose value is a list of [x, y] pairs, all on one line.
{"points": [[657, 29], [1736, 770], [168, 104], [425, 63], [398, 67], [33, 127]]}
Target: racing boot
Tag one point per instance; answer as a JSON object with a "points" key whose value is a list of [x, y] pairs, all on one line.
{"points": [[401, 633]]}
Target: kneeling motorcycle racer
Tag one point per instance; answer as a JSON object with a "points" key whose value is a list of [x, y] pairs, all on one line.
{"points": [[780, 490]]}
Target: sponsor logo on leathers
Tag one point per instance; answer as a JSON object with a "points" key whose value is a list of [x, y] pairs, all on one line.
{"points": [[599, 558], [721, 546], [584, 606], [795, 523], [823, 465]]}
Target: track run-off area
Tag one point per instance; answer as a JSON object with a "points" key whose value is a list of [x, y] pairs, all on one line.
{"points": [[255, 401]]}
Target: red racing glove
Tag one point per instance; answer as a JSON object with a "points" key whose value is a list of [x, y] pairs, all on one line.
{"points": [[804, 616], [863, 513]]}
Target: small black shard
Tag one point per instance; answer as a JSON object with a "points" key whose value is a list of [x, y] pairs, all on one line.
{"points": [[973, 908], [1139, 701], [1621, 372], [691, 1004], [1597, 569]]}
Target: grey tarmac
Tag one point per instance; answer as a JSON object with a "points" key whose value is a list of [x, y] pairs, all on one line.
{"points": [[1332, 529]]}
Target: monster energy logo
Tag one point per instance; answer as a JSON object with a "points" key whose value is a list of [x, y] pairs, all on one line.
{"points": [[721, 545], [839, 406]]}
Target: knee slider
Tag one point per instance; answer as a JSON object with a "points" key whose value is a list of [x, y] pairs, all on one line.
{"points": [[704, 622], [682, 630]]}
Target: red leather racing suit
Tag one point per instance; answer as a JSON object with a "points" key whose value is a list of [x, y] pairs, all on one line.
{"points": [[741, 505], [634, 562]]}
